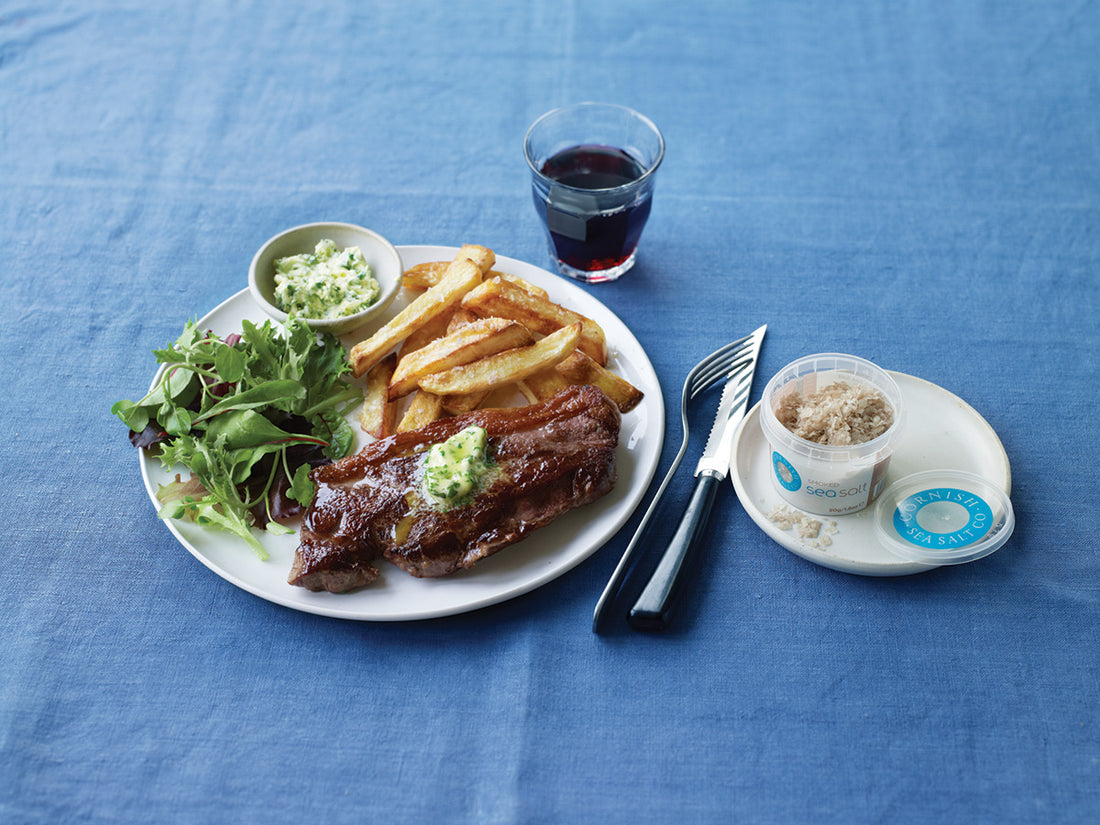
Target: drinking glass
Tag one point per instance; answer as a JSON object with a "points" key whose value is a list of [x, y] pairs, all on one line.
{"points": [[593, 167]]}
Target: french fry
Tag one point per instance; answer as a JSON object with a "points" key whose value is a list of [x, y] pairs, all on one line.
{"points": [[378, 414], [459, 403], [501, 396], [483, 337], [480, 255], [422, 276], [578, 368], [462, 276], [526, 286], [543, 384], [504, 367], [499, 298], [424, 409], [428, 274], [422, 336], [462, 317]]}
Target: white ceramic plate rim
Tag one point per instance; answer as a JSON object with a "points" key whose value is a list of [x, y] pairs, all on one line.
{"points": [[943, 432], [537, 560]]}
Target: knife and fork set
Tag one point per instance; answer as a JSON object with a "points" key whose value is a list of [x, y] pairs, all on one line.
{"points": [[736, 363]]}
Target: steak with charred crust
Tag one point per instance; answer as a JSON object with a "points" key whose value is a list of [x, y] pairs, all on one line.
{"points": [[549, 458]]}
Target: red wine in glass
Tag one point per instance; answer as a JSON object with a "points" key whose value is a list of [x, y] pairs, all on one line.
{"points": [[590, 229]]}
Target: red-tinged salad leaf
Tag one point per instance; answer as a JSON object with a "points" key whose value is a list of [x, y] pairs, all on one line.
{"points": [[249, 415]]}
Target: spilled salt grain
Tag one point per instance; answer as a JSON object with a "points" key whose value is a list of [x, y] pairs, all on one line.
{"points": [[813, 532]]}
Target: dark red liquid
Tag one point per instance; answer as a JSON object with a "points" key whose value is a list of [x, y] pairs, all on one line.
{"points": [[585, 237]]}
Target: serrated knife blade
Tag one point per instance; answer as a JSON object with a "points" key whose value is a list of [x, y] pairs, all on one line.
{"points": [[731, 409]]}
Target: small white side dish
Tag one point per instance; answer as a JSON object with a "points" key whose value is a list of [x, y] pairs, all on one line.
{"points": [[382, 257]]}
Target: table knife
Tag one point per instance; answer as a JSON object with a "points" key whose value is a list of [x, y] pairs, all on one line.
{"points": [[653, 608]]}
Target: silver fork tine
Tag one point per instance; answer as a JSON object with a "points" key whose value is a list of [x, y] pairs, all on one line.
{"points": [[718, 356], [718, 364], [728, 370]]}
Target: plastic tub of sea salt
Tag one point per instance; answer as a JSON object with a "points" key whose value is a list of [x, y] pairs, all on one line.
{"points": [[845, 395]]}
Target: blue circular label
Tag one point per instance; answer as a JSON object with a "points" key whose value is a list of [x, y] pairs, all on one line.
{"points": [[943, 517], [787, 475]]}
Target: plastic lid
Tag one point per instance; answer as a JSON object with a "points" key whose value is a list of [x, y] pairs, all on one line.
{"points": [[943, 517]]}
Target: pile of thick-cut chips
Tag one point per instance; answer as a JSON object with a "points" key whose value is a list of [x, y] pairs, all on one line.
{"points": [[474, 338]]}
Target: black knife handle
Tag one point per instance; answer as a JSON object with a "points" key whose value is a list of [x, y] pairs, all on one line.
{"points": [[654, 606]]}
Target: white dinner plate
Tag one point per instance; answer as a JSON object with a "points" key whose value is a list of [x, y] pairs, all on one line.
{"points": [[942, 432], [520, 568]]}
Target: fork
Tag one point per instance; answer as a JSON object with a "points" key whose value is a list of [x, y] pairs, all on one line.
{"points": [[703, 375]]}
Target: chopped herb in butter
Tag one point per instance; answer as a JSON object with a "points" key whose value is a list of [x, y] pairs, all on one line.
{"points": [[454, 469], [325, 284]]}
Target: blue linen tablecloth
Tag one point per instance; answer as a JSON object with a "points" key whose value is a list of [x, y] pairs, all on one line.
{"points": [[916, 183]]}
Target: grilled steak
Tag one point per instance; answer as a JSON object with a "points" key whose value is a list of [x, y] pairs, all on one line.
{"points": [[549, 458]]}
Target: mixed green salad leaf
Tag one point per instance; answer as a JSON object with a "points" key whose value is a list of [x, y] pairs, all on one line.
{"points": [[249, 415]]}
